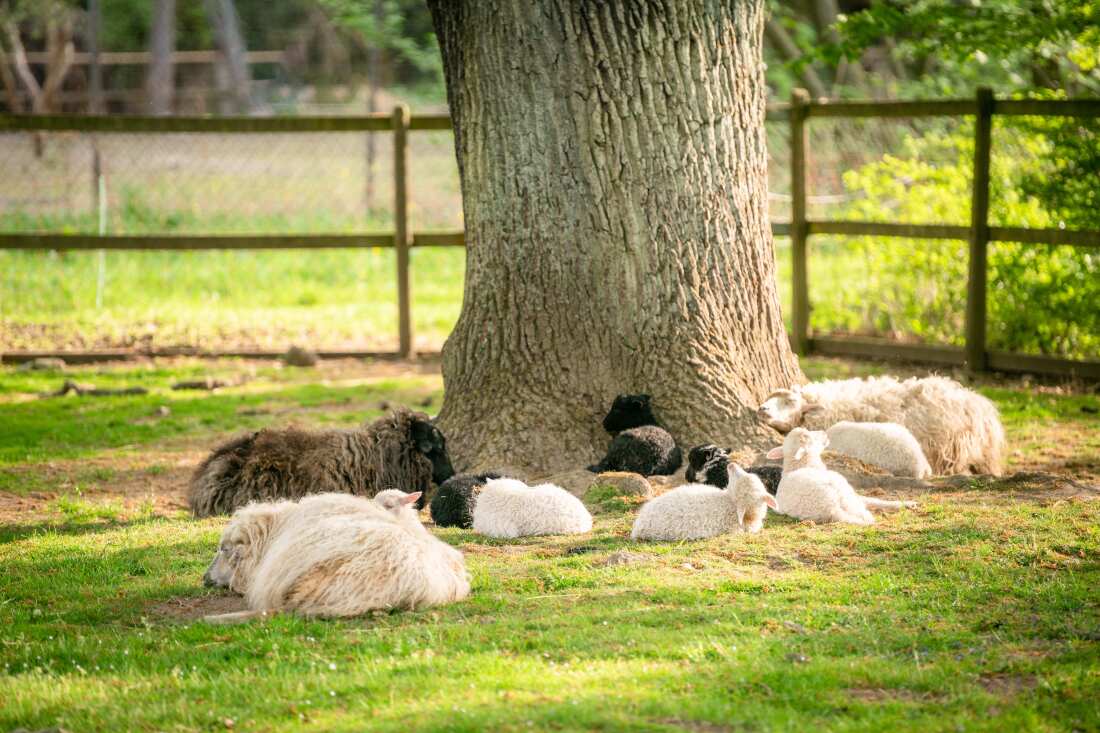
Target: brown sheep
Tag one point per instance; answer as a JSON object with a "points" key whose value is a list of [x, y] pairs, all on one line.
{"points": [[400, 450]]}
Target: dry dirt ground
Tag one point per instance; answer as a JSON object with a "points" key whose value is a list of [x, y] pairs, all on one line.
{"points": [[1044, 465]]}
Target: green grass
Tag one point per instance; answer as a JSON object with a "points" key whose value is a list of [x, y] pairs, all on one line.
{"points": [[971, 612]]}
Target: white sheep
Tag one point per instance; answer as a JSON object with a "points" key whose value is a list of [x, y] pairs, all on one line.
{"points": [[959, 430], [334, 557], [884, 444], [698, 511], [808, 490], [508, 508]]}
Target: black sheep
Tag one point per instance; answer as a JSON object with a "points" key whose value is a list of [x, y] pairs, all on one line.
{"points": [[453, 503], [629, 411], [709, 464], [648, 450]]}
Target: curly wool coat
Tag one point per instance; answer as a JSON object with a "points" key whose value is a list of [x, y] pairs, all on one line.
{"points": [[400, 450], [648, 450], [329, 557]]}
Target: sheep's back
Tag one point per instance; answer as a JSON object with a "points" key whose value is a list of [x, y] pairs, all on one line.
{"points": [[876, 399], [691, 511], [811, 493], [887, 445], [347, 565], [507, 511], [959, 429]]}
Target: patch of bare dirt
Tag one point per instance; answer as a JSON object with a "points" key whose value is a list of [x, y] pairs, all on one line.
{"points": [[193, 608], [889, 694], [156, 476], [696, 726], [1007, 685], [473, 548], [1033, 486]]}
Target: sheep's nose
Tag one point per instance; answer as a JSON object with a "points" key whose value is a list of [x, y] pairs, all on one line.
{"points": [[207, 580]]}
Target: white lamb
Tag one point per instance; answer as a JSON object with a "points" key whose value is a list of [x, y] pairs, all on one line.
{"points": [[331, 557], [959, 430], [808, 490], [883, 444], [507, 508], [698, 511]]}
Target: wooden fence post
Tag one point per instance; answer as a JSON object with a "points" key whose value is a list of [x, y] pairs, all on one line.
{"points": [[800, 297], [401, 226], [976, 355]]}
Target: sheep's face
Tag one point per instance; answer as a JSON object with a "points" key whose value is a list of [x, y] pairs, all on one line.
{"points": [[433, 446], [629, 411], [242, 545], [783, 410], [703, 460], [800, 448], [397, 502], [750, 498]]}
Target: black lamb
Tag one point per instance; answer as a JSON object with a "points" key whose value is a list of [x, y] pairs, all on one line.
{"points": [[709, 464], [648, 450], [629, 411], [453, 503]]}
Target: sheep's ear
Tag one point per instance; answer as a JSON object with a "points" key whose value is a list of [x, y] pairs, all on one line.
{"points": [[770, 501], [411, 498], [811, 408], [798, 454], [775, 453], [737, 470]]}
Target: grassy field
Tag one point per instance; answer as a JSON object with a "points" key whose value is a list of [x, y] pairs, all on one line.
{"points": [[976, 611], [334, 299]]}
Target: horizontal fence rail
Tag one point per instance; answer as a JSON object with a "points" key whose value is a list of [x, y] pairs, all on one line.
{"points": [[138, 124], [797, 113]]}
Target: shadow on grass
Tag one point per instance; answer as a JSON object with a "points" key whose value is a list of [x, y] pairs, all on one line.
{"points": [[16, 532]]}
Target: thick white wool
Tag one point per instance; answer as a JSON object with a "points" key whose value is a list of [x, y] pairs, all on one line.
{"points": [[821, 496], [507, 508], [336, 555], [808, 490], [698, 511], [959, 430], [884, 444]]}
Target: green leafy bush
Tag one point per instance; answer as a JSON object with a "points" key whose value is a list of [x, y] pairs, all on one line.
{"points": [[1042, 299]]}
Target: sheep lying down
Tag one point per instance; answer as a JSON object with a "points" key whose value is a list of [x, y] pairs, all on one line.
{"points": [[333, 555], [959, 430], [698, 511], [402, 448], [810, 491], [508, 508], [884, 444]]}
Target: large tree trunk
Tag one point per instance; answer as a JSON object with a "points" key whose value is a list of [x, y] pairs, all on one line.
{"points": [[160, 81], [613, 166]]}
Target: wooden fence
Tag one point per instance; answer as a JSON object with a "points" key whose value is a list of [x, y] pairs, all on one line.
{"points": [[979, 234]]}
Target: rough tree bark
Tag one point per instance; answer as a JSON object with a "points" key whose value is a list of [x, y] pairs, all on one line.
{"points": [[613, 167]]}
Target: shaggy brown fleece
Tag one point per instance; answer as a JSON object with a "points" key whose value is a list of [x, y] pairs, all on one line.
{"points": [[401, 450]]}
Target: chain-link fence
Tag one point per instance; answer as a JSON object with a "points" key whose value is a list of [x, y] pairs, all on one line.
{"points": [[300, 181]]}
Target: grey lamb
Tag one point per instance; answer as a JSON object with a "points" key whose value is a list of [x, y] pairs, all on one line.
{"points": [[400, 450]]}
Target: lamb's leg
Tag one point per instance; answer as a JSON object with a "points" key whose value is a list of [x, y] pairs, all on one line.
{"points": [[849, 517], [884, 504], [236, 617]]}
